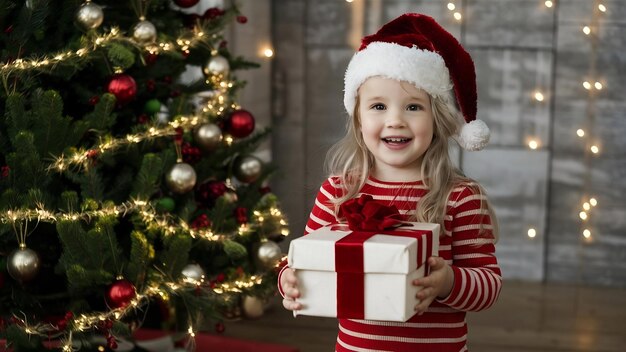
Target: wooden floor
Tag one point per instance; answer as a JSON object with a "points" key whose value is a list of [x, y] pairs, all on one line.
{"points": [[528, 317]]}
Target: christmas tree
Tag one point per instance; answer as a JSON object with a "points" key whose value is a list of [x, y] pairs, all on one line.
{"points": [[125, 189]]}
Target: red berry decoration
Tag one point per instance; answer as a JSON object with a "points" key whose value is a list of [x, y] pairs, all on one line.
{"points": [[241, 214], [186, 3], [120, 293], [212, 13], [208, 192], [219, 328], [242, 19], [123, 87], [94, 100], [240, 123], [5, 171], [191, 155]]}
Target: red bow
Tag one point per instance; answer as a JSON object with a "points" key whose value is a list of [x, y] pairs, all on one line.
{"points": [[366, 214]]}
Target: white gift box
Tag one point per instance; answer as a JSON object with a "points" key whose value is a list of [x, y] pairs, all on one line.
{"points": [[390, 264]]}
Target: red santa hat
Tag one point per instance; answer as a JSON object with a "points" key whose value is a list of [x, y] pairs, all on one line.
{"points": [[416, 49]]}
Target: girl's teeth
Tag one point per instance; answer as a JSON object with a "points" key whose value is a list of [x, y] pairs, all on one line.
{"points": [[396, 140]]}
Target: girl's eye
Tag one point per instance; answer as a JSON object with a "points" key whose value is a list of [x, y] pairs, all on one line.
{"points": [[414, 107], [378, 106]]}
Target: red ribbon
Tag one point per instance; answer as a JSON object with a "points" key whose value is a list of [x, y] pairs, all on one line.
{"points": [[366, 218]]}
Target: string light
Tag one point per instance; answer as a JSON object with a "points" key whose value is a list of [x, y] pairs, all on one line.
{"points": [[532, 233], [539, 96], [587, 85], [602, 8], [268, 52], [457, 16], [593, 202], [548, 3], [586, 30], [451, 6], [598, 85], [587, 233], [580, 132], [583, 215], [594, 149], [533, 144]]}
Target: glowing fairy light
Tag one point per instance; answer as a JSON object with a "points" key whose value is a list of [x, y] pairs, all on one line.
{"points": [[587, 85], [548, 4], [451, 6], [580, 132], [532, 233], [458, 16], [533, 144], [593, 202], [586, 30], [539, 96], [583, 215], [268, 53], [602, 8], [598, 85], [586, 206], [587, 233], [594, 149]]}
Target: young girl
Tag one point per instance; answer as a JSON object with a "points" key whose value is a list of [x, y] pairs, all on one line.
{"points": [[399, 95]]}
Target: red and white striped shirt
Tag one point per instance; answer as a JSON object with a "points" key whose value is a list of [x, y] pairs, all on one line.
{"points": [[477, 277]]}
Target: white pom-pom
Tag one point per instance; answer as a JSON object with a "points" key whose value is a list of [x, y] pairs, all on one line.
{"points": [[474, 135]]}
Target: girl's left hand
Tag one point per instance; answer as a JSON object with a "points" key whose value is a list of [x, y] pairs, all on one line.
{"points": [[438, 284]]}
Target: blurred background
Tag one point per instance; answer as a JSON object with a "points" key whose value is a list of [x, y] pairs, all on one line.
{"points": [[551, 83]]}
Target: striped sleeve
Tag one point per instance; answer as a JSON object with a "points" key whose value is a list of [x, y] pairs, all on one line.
{"points": [[477, 276], [323, 213]]}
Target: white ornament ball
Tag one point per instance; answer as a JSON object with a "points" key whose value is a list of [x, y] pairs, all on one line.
{"points": [[208, 136], [144, 32], [23, 264], [181, 178], [163, 116], [253, 307], [193, 272], [216, 65], [268, 254], [89, 15]]}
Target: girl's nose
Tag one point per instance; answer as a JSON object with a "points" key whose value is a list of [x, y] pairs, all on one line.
{"points": [[395, 119]]}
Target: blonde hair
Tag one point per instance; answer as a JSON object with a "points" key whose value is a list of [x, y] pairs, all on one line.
{"points": [[352, 162]]}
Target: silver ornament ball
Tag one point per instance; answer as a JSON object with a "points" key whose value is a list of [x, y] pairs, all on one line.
{"points": [[216, 65], [181, 178], [23, 264], [193, 272], [208, 136], [248, 169], [144, 32], [89, 15], [253, 307], [268, 254]]}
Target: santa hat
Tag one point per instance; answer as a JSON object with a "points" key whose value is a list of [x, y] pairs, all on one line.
{"points": [[416, 49]]}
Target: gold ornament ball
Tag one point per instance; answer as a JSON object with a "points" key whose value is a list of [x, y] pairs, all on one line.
{"points": [[268, 254], [253, 307], [144, 32], [23, 264], [181, 178], [216, 65], [89, 15], [193, 272], [248, 169], [208, 136]]}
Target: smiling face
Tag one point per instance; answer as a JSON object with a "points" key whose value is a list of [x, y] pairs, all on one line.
{"points": [[396, 122]]}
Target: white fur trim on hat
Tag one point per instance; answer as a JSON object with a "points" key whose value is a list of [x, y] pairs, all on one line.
{"points": [[424, 69], [474, 135]]}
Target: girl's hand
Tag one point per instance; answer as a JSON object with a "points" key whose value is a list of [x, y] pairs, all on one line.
{"points": [[289, 283], [438, 284]]}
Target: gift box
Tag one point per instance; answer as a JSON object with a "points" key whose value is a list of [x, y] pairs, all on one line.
{"points": [[362, 274]]}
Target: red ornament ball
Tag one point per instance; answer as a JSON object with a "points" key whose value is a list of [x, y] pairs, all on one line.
{"points": [[120, 293], [123, 87], [242, 19], [240, 123], [186, 3]]}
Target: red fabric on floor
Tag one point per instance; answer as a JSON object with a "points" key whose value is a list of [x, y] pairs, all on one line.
{"points": [[215, 343]]}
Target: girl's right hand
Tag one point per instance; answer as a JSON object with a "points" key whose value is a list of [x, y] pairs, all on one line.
{"points": [[289, 283]]}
